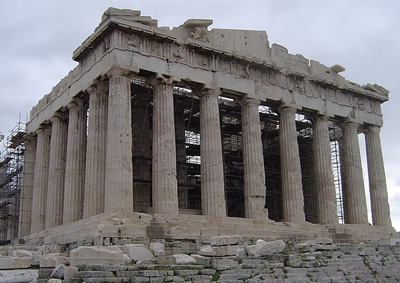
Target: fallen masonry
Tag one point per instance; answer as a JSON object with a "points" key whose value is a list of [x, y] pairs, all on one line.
{"points": [[316, 260]]}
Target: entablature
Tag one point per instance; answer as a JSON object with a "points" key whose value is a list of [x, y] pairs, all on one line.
{"points": [[195, 55]]}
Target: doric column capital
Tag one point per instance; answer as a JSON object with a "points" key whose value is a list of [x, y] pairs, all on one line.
{"points": [[252, 101], [97, 87], [373, 128], [160, 79], [30, 137], [118, 72], [349, 122], [208, 92], [76, 102], [58, 116], [43, 129], [322, 117], [288, 108]]}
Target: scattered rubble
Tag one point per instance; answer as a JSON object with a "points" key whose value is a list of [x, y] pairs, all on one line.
{"points": [[317, 260]]}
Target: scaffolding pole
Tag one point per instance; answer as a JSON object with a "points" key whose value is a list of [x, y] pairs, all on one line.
{"points": [[11, 171]]}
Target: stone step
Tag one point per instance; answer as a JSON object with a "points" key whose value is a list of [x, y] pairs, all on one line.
{"points": [[98, 280], [94, 274]]}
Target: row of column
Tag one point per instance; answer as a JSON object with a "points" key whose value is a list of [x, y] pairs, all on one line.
{"points": [[76, 178], [355, 208]]}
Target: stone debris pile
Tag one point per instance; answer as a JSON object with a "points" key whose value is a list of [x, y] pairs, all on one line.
{"points": [[219, 259]]}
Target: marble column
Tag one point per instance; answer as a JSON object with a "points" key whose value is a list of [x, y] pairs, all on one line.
{"points": [[164, 183], [75, 164], [55, 185], [40, 180], [324, 182], [119, 182], [212, 170], [292, 189], [96, 150], [253, 161], [25, 209], [377, 179], [355, 207]]}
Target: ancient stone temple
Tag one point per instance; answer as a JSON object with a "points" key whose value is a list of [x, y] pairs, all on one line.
{"points": [[191, 132]]}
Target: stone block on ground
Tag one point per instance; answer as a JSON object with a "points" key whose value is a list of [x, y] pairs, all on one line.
{"points": [[184, 259], [207, 251], [240, 253], [201, 259], [224, 264], [51, 260], [127, 259], [70, 272], [58, 272], [96, 255], [226, 240], [157, 249], [25, 275], [48, 249], [94, 274], [21, 253], [14, 262], [263, 248], [137, 252], [220, 250]]}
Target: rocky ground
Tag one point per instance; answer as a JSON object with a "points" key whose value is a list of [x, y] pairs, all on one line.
{"points": [[221, 259]]}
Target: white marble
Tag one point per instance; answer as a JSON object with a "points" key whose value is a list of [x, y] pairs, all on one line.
{"points": [[75, 163], [164, 182], [55, 185], [96, 150], [38, 215], [325, 186], [119, 182], [253, 161], [292, 188], [212, 168], [377, 178]]}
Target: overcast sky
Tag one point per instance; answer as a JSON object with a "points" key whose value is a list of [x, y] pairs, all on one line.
{"points": [[37, 39]]}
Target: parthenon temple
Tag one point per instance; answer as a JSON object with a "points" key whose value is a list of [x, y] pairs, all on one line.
{"points": [[192, 132]]}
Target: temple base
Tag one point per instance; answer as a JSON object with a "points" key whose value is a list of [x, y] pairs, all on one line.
{"points": [[122, 227]]}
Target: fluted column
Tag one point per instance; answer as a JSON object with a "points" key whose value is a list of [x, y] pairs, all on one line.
{"points": [[325, 186], [119, 182], [75, 164], [212, 170], [292, 188], [355, 208], [96, 150], [164, 183], [55, 185], [40, 180], [253, 161], [25, 209], [377, 179]]}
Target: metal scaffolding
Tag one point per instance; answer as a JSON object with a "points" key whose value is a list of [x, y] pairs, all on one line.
{"points": [[11, 171], [335, 134]]}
